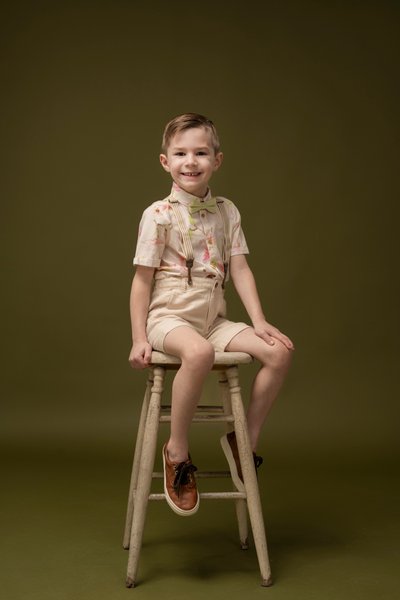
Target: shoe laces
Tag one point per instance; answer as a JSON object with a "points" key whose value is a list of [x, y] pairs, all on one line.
{"points": [[258, 460], [183, 474]]}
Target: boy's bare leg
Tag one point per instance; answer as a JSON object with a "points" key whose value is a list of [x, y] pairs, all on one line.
{"points": [[275, 361], [197, 356]]}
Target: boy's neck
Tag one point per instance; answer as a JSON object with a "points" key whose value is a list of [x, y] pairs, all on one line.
{"points": [[177, 188]]}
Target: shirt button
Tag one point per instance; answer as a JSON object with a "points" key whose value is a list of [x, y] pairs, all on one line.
{"points": [[203, 214]]}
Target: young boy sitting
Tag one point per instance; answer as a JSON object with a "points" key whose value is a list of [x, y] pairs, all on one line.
{"points": [[188, 245]]}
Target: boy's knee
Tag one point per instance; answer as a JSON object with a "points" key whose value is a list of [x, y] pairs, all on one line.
{"points": [[279, 357], [200, 354]]}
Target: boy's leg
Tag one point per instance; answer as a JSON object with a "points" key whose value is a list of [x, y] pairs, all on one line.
{"points": [[275, 361], [197, 356]]}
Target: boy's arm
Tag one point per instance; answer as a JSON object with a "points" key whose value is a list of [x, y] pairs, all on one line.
{"points": [[244, 282], [140, 354]]}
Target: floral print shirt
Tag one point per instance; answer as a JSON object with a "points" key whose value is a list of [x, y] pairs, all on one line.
{"points": [[159, 241]]}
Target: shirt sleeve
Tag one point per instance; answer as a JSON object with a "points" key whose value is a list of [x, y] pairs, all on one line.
{"points": [[238, 240], [151, 238]]}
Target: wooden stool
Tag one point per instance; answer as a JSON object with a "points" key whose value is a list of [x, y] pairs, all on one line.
{"points": [[230, 411]]}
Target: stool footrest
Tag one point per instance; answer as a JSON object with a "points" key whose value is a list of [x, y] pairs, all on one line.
{"points": [[214, 408], [199, 474], [203, 419], [209, 496]]}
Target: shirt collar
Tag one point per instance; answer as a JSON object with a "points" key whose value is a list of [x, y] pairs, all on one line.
{"points": [[185, 198]]}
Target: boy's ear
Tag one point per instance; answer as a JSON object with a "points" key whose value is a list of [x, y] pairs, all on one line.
{"points": [[219, 157], [164, 162]]}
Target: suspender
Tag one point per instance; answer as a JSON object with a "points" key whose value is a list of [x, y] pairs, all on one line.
{"points": [[226, 250], [187, 242]]}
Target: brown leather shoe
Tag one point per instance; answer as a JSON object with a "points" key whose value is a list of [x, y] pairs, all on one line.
{"points": [[229, 446], [180, 485]]}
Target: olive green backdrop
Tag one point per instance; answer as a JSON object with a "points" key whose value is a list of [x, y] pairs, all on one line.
{"points": [[305, 97]]}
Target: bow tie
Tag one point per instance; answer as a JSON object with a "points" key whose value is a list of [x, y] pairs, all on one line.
{"points": [[210, 205]]}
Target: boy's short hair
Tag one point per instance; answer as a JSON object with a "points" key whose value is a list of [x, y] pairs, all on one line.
{"points": [[189, 121]]}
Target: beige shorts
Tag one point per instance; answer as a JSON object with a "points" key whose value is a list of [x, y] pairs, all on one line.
{"points": [[201, 306]]}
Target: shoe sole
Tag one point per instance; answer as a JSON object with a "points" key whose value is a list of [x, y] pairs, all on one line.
{"points": [[176, 509], [232, 464]]}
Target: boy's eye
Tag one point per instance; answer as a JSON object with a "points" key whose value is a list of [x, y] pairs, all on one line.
{"points": [[202, 153], [179, 153]]}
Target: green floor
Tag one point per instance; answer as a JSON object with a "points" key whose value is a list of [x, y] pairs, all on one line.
{"points": [[332, 528]]}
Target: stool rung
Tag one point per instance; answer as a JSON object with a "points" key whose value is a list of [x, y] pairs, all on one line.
{"points": [[199, 474], [203, 419], [201, 407], [209, 496]]}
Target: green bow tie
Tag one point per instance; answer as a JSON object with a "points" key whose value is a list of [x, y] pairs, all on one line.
{"points": [[210, 205]]}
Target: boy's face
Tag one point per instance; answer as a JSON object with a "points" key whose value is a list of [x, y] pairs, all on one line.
{"points": [[191, 160]]}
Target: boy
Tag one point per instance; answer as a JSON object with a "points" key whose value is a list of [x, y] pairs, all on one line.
{"points": [[187, 245]]}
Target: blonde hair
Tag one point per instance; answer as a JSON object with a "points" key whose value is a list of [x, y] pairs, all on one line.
{"points": [[189, 121]]}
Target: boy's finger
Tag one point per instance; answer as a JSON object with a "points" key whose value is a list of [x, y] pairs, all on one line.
{"points": [[269, 339], [288, 343], [285, 340]]}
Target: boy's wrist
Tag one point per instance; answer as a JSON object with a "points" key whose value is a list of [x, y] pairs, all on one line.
{"points": [[139, 339], [258, 319]]}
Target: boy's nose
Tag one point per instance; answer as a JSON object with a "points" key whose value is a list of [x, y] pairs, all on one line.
{"points": [[191, 159]]}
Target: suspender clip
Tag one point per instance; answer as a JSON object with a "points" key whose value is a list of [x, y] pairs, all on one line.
{"points": [[189, 265]]}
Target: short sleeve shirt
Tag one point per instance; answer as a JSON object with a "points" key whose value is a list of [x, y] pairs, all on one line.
{"points": [[159, 243]]}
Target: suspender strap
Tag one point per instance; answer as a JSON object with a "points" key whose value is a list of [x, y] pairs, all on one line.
{"points": [[226, 250], [186, 241]]}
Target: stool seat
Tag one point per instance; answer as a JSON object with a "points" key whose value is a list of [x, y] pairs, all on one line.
{"points": [[221, 358], [230, 411]]}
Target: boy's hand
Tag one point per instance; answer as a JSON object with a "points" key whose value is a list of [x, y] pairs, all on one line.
{"points": [[140, 355], [269, 334]]}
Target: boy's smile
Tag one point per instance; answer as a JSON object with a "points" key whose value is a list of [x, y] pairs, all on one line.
{"points": [[191, 160]]}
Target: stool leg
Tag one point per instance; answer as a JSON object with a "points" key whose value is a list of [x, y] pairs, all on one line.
{"points": [[136, 460], [225, 397], [144, 479], [249, 476], [241, 515], [240, 504]]}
